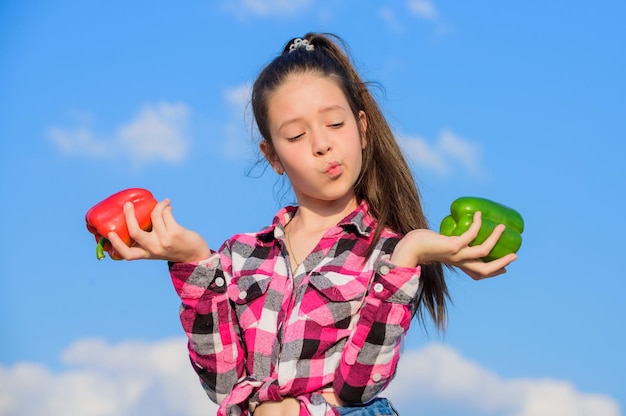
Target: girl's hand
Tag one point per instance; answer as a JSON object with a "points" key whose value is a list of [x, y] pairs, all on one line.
{"points": [[427, 246], [167, 240]]}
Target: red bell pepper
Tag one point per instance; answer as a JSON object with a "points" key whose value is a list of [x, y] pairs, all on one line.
{"points": [[108, 215]]}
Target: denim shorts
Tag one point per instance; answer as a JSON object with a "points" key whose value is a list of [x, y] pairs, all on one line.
{"points": [[376, 407]]}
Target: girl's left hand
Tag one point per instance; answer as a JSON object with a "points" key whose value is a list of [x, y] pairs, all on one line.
{"points": [[426, 246]]}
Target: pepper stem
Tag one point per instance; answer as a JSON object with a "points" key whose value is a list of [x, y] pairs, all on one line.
{"points": [[100, 248]]}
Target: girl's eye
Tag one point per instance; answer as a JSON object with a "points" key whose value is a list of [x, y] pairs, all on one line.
{"points": [[336, 125], [294, 138]]}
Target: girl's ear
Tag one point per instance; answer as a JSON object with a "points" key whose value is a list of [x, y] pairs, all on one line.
{"points": [[270, 156], [363, 128]]}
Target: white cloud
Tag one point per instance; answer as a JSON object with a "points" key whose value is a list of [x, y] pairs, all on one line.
{"points": [[239, 96], [439, 373], [447, 152], [80, 140], [388, 16], [424, 154], [461, 150], [138, 378], [157, 133], [265, 8], [236, 138], [128, 379], [424, 9]]}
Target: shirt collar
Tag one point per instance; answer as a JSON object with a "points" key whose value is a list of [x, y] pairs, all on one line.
{"points": [[358, 220]]}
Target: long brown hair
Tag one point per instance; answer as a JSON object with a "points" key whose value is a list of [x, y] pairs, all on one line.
{"points": [[385, 182]]}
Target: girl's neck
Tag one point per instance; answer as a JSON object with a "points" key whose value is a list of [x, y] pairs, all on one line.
{"points": [[309, 224], [317, 217]]}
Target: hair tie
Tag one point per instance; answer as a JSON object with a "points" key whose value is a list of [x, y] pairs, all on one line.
{"points": [[298, 43]]}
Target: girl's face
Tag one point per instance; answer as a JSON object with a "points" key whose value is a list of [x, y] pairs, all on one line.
{"points": [[317, 140]]}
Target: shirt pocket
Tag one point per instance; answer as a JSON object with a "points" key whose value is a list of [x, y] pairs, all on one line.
{"points": [[247, 293], [333, 299]]}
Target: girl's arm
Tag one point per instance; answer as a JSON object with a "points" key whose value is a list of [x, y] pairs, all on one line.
{"points": [[200, 279], [210, 323], [369, 360], [371, 354]]}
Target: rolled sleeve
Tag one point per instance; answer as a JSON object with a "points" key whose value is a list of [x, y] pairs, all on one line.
{"points": [[394, 283], [209, 322], [371, 355]]}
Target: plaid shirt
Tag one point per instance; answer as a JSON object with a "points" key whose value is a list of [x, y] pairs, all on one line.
{"points": [[257, 332]]}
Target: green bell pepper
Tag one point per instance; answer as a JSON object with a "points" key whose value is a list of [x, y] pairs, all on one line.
{"points": [[462, 213]]}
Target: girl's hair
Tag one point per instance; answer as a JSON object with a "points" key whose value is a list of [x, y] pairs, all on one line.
{"points": [[385, 182]]}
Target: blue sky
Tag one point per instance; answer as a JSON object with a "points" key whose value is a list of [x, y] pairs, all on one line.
{"points": [[522, 102]]}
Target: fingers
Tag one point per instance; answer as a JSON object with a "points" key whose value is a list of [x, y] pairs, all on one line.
{"points": [[131, 220], [160, 211], [472, 232], [127, 253], [470, 259], [139, 236], [159, 217], [494, 236], [482, 276], [116, 242], [166, 240], [168, 217], [479, 270], [483, 249]]}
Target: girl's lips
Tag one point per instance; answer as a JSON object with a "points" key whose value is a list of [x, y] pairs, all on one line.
{"points": [[333, 169]]}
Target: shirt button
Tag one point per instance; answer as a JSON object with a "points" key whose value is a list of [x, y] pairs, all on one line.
{"points": [[219, 282], [376, 377], [384, 269], [243, 295], [378, 287]]}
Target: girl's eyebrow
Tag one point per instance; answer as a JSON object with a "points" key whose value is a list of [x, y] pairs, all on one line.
{"points": [[322, 110], [331, 108]]}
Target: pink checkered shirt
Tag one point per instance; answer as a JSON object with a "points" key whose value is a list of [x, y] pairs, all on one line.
{"points": [[257, 332]]}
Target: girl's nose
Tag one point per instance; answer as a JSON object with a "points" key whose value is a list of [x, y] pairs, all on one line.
{"points": [[321, 144]]}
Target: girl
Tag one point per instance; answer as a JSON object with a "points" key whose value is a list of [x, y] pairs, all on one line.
{"points": [[307, 316]]}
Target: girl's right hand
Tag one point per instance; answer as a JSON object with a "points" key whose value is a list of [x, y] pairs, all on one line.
{"points": [[167, 240]]}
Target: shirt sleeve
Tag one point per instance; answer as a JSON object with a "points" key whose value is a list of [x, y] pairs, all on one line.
{"points": [[210, 323], [369, 360]]}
